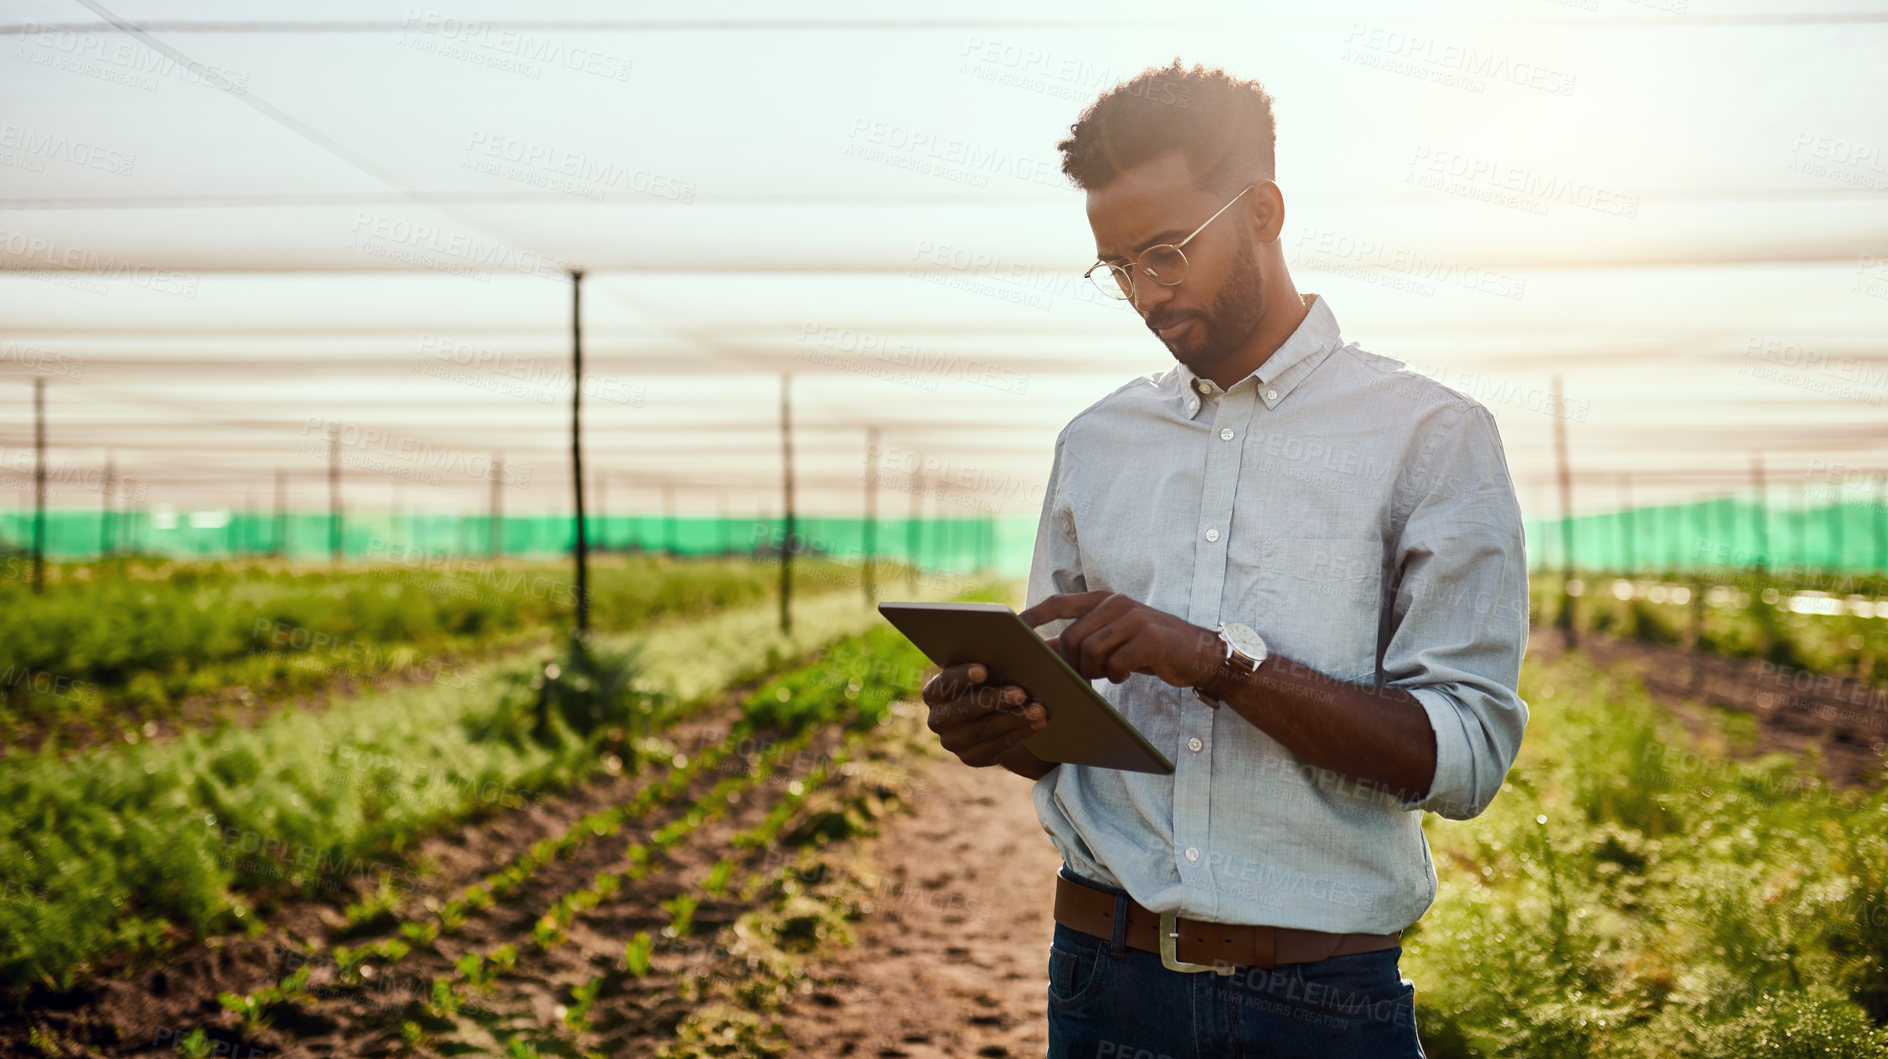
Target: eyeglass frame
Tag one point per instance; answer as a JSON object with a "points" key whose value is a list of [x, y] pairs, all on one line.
{"points": [[1129, 296]]}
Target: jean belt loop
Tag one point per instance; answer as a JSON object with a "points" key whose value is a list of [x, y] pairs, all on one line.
{"points": [[1118, 945]]}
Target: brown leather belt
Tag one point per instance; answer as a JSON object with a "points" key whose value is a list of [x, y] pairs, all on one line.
{"points": [[1196, 945]]}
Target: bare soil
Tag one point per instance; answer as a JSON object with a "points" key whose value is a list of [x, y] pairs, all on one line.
{"points": [[952, 960]]}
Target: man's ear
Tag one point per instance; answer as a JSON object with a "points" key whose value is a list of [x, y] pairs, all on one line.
{"points": [[1268, 211]]}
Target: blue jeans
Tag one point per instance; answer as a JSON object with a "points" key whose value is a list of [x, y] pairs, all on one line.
{"points": [[1125, 1005]]}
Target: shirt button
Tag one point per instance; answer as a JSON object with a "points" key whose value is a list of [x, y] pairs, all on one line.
{"points": [[1225, 434], [1193, 405], [1271, 395], [1194, 744], [1212, 534], [1192, 854]]}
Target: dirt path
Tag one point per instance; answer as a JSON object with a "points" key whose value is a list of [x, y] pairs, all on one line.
{"points": [[952, 959]]}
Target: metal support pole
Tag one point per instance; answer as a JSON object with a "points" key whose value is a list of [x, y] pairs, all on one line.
{"points": [[334, 491], [1703, 531], [576, 450], [1881, 527], [1626, 521], [39, 485], [727, 547], [495, 547], [281, 513], [1726, 528], [1762, 514], [786, 483], [669, 543], [914, 529], [1835, 527], [870, 529], [1801, 551], [104, 507], [1566, 622]]}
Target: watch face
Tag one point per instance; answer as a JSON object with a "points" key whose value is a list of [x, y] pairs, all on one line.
{"points": [[1245, 641]]}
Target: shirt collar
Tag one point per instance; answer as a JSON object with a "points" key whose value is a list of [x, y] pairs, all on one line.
{"points": [[1315, 338]]}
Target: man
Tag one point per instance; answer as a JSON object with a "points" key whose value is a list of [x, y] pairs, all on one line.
{"points": [[1281, 498]]}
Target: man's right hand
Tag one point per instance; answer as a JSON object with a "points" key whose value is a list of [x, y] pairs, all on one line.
{"points": [[980, 722]]}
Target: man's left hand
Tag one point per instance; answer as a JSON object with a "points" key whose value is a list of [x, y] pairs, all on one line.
{"points": [[1114, 636]]}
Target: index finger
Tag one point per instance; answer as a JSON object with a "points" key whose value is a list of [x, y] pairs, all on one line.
{"points": [[953, 681], [1064, 605]]}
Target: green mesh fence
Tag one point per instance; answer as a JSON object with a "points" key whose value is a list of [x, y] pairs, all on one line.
{"points": [[1850, 536], [998, 545]]}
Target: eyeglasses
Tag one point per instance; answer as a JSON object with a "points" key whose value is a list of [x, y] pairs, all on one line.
{"points": [[1164, 263]]}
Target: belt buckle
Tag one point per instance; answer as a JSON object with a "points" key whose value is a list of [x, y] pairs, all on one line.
{"points": [[1169, 944]]}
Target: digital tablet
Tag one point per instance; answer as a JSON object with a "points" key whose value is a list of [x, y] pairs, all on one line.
{"points": [[1083, 728]]}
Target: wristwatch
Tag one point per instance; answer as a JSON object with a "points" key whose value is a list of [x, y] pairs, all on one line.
{"points": [[1245, 652]]}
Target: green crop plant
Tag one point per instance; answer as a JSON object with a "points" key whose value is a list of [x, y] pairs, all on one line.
{"points": [[196, 1045], [717, 881], [1636, 892], [636, 954], [681, 910]]}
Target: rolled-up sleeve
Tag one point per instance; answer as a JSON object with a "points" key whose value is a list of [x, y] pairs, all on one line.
{"points": [[1459, 619], [1056, 565]]}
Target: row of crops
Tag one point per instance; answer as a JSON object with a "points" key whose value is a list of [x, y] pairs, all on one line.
{"points": [[115, 647], [1821, 624]]}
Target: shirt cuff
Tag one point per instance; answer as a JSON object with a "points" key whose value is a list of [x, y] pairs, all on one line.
{"points": [[1448, 793]]}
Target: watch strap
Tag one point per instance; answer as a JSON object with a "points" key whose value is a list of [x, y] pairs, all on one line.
{"points": [[1229, 675], [1225, 659]]}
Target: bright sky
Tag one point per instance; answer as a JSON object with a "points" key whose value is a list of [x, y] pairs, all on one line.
{"points": [[1680, 206]]}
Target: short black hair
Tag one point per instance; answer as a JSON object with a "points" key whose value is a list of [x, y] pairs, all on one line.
{"points": [[1223, 125]]}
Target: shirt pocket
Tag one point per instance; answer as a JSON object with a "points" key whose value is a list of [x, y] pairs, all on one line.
{"points": [[1318, 600]]}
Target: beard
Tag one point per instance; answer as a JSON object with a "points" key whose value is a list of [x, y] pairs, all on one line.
{"points": [[1231, 320]]}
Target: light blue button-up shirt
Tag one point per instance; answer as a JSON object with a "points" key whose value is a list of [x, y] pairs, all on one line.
{"points": [[1361, 518]]}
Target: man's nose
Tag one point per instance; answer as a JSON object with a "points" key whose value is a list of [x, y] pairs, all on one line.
{"points": [[1150, 296]]}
